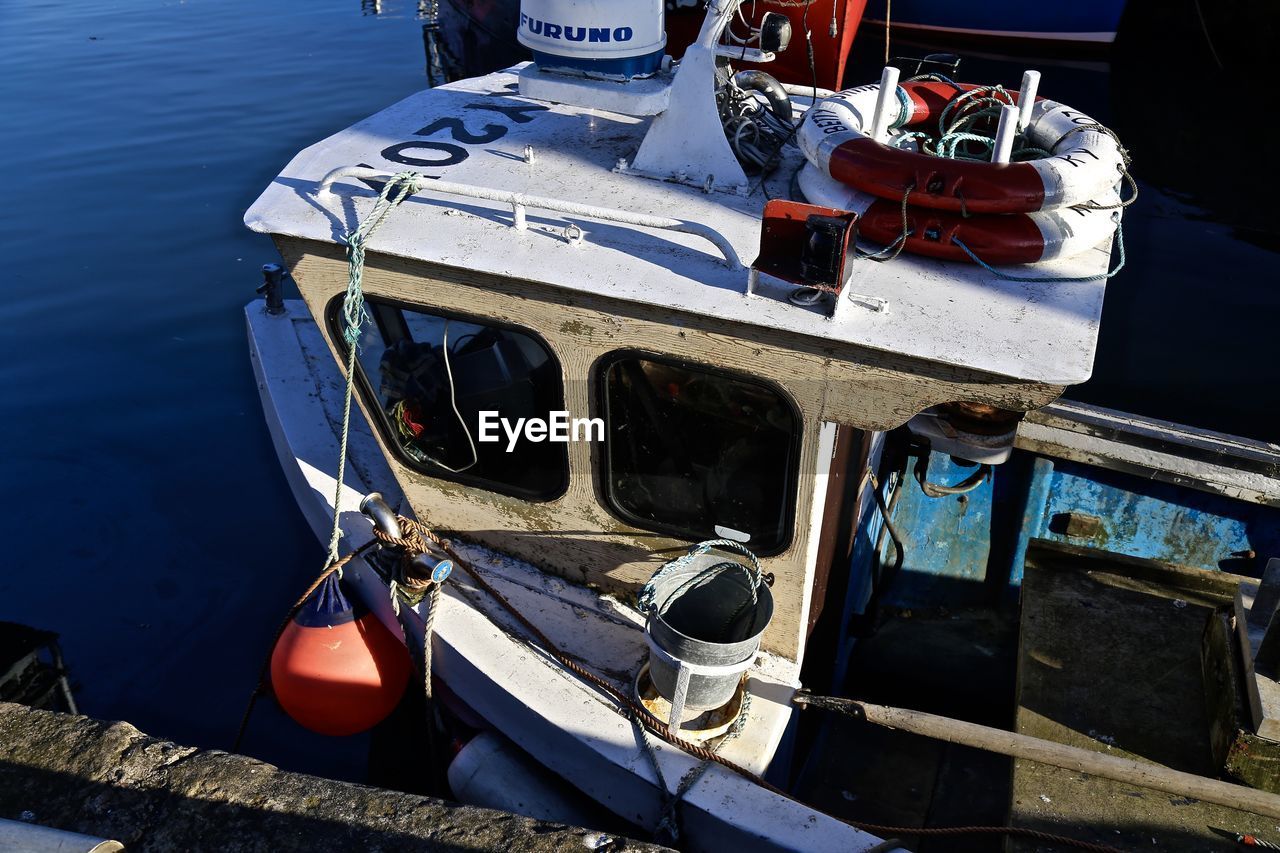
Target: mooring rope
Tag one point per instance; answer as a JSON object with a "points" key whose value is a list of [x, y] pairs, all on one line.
{"points": [[631, 707], [354, 315]]}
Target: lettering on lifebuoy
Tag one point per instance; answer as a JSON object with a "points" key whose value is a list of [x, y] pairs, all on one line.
{"points": [[1080, 118], [828, 122], [1068, 156]]}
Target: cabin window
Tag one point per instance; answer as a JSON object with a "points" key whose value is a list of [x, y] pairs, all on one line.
{"points": [[428, 376], [698, 453]]}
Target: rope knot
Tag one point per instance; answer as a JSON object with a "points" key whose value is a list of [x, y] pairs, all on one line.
{"points": [[423, 561]]}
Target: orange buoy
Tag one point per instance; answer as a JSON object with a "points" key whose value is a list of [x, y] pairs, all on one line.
{"points": [[336, 669]]}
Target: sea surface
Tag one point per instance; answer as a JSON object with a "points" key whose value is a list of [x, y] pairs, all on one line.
{"points": [[146, 518]]}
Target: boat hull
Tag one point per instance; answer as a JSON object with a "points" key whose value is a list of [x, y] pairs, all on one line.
{"points": [[1087, 21]]}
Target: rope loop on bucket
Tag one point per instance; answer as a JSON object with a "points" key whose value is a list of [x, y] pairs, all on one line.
{"points": [[648, 593]]}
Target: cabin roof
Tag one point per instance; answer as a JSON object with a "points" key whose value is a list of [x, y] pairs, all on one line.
{"points": [[954, 314]]}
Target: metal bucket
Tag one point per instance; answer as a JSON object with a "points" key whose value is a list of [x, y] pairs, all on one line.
{"points": [[705, 617]]}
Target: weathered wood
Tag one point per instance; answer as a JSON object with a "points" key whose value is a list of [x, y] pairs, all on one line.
{"points": [[1137, 661], [1255, 719], [1067, 757], [574, 535], [1220, 677], [1222, 586], [1255, 761], [1229, 465]]}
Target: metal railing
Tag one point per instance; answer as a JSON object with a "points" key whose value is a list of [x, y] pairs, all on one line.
{"points": [[520, 202]]}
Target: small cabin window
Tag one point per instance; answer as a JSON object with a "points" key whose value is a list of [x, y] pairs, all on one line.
{"points": [[698, 453], [430, 376]]}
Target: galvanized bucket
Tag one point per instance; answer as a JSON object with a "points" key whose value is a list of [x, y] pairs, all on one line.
{"points": [[705, 614]]}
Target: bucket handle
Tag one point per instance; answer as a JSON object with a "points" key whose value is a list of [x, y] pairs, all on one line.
{"points": [[649, 591]]}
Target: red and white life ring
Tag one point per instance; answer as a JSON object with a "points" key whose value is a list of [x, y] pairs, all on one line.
{"points": [[1085, 162], [1016, 238]]}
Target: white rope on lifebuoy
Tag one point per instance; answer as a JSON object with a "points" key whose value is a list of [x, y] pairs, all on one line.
{"points": [[1016, 238]]}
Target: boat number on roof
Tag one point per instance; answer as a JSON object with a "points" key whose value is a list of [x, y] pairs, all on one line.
{"points": [[449, 154]]}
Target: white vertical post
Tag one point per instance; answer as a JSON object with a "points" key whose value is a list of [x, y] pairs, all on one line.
{"points": [[678, 698], [888, 97], [1027, 96], [1006, 130]]}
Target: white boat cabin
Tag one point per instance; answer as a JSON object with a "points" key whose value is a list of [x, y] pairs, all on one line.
{"points": [[547, 278]]}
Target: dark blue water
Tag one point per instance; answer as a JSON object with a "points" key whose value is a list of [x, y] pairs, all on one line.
{"points": [[146, 517]]}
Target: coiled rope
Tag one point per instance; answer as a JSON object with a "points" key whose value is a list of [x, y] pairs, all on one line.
{"points": [[966, 131]]}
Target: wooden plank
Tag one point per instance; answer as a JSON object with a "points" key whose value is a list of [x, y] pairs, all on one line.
{"points": [[1066, 757], [835, 545], [1223, 464], [1223, 586], [1246, 453], [1255, 761]]}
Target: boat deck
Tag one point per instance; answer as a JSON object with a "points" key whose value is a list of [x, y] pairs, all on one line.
{"points": [[480, 132]]}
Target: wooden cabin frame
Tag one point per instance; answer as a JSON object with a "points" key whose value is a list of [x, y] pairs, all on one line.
{"points": [[574, 536]]}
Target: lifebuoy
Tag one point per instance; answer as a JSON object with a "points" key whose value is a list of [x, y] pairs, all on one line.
{"points": [[1085, 161], [1016, 238]]}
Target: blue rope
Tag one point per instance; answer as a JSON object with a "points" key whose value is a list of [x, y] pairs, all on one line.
{"points": [[396, 190], [904, 108], [1007, 277], [354, 315]]}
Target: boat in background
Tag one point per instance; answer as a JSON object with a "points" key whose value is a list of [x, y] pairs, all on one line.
{"points": [[481, 36], [1084, 21], [831, 24]]}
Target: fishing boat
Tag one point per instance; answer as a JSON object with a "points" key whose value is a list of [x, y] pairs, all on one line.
{"points": [[481, 35], [676, 385]]}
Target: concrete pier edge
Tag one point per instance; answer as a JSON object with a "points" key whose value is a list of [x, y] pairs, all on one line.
{"points": [[109, 779]]}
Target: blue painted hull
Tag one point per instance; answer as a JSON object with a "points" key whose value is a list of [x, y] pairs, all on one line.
{"points": [[1077, 21]]}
